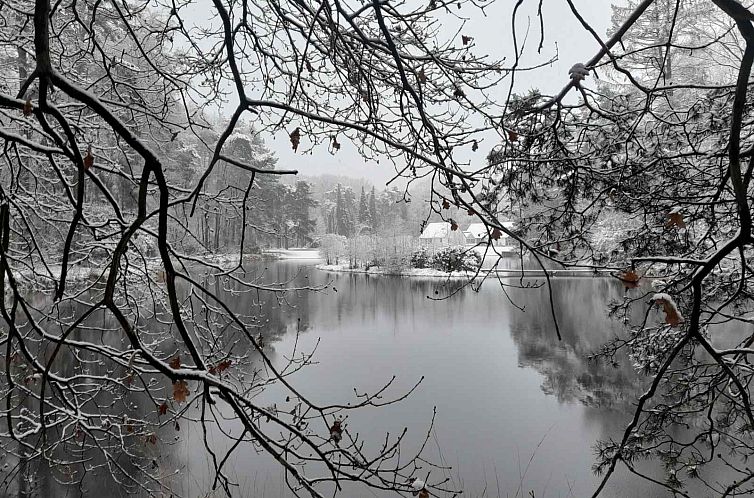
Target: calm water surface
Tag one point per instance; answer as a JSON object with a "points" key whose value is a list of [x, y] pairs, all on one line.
{"points": [[517, 410]]}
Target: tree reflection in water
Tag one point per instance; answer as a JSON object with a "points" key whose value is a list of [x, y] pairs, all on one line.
{"points": [[499, 377]]}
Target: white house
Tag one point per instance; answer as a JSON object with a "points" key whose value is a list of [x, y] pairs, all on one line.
{"points": [[439, 234], [477, 234]]}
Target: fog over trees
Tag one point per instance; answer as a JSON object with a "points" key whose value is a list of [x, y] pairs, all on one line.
{"points": [[130, 215]]}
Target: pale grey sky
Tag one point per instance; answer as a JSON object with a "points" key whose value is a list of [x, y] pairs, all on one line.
{"points": [[492, 35]]}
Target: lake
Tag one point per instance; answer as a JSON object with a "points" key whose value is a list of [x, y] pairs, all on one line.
{"points": [[517, 411]]}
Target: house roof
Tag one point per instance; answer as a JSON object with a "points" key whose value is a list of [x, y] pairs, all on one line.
{"points": [[479, 230], [436, 230]]}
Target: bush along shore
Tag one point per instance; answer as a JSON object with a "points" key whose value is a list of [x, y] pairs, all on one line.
{"points": [[460, 262]]}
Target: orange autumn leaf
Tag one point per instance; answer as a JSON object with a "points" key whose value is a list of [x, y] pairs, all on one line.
{"points": [[512, 136], [180, 391], [220, 367], [162, 409], [175, 362], [673, 317], [453, 226], [445, 204], [496, 234], [630, 279]]}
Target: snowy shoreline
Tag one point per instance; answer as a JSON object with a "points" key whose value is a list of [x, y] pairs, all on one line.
{"points": [[433, 273], [393, 272], [79, 273]]}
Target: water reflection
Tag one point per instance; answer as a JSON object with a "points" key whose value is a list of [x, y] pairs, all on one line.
{"points": [[506, 390], [582, 314]]}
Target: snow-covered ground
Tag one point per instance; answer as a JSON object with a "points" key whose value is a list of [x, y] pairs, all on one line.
{"points": [[406, 272], [78, 272], [431, 272], [294, 253]]}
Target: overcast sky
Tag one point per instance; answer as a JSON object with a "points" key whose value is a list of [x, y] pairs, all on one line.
{"points": [[492, 35], [564, 36]]}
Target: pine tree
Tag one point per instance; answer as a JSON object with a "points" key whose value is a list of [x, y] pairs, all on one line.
{"points": [[331, 228], [364, 210], [300, 202], [351, 210], [373, 211], [343, 219], [266, 201]]}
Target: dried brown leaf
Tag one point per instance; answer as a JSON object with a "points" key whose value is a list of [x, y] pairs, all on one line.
{"points": [[675, 219], [673, 317], [295, 137], [88, 158], [180, 391], [630, 279], [336, 431]]}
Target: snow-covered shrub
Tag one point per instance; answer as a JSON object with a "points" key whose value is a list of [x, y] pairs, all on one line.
{"points": [[456, 259], [333, 248], [610, 232], [421, 258], [393, 253]]}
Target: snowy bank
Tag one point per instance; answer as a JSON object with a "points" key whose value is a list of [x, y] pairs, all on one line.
{"points": [[498, 272], [41, 278], [398, 272], [294, 253]]}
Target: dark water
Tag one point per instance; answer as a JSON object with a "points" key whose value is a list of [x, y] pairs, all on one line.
{"points": [[517, 410]]}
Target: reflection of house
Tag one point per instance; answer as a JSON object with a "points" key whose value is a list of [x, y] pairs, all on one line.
{"points": [[477, 233], [439, 234]]}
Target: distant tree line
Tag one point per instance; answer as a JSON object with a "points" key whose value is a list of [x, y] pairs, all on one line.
{"points": [[391, 211]]}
